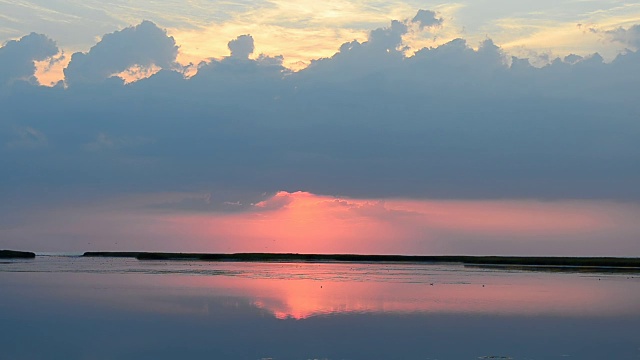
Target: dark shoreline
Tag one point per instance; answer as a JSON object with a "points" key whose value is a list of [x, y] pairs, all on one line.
{"points": [[13, 254], [521, 262]]}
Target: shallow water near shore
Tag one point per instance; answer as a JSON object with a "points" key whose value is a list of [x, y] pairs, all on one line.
{"points": [[70, 307]]}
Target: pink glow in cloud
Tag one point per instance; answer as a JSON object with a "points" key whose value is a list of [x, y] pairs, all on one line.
{"points": [[307, 223], [297, 222], [302, 222]]}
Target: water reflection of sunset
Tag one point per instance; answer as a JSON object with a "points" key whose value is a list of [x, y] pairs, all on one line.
{"points": [[304, 290], [300, 299], [300, 291]]}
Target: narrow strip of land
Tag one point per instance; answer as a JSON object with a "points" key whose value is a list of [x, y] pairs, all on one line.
{"points": [[600, 262], [12, 254]]}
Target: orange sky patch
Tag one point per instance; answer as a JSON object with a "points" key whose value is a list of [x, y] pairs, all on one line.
{"points": [[48, 74]]}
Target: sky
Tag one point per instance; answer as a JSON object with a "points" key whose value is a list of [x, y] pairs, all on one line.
{"points": [[480, 127]]}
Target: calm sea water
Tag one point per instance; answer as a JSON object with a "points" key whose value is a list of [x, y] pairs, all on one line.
{"points": [[62, 307]]}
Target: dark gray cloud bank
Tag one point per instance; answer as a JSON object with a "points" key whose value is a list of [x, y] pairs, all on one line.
{"points": [[447, 122]]}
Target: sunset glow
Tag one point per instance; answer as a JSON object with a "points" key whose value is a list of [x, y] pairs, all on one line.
{"points": [[334, 127], [302, 179], [306, 223], [302, 222]]}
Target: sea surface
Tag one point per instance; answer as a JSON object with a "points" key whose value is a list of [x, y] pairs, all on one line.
{"points": [[70, 307]]}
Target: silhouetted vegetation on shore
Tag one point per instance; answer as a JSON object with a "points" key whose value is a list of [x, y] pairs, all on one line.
{"points": [[12, 254], [502, 261]]}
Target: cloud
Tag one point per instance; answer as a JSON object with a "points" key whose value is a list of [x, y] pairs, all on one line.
{"points": [[17, 57], [629, 37], [278, 201], [241, 149], [389, 38], [241, 47], [143, 45], [427, 19], [382, 50], [104, 142], [27, 138], [450, 121]]}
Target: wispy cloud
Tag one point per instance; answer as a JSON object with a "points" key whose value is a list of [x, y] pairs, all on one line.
{"points": [[302, 31]]}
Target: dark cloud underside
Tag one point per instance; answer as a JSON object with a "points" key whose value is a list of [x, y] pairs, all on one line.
{"points": [[448, 122]]}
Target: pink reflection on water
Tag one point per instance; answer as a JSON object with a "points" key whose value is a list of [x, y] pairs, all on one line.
{"points": [[288, 296], [303, 290], [517, 295]]}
